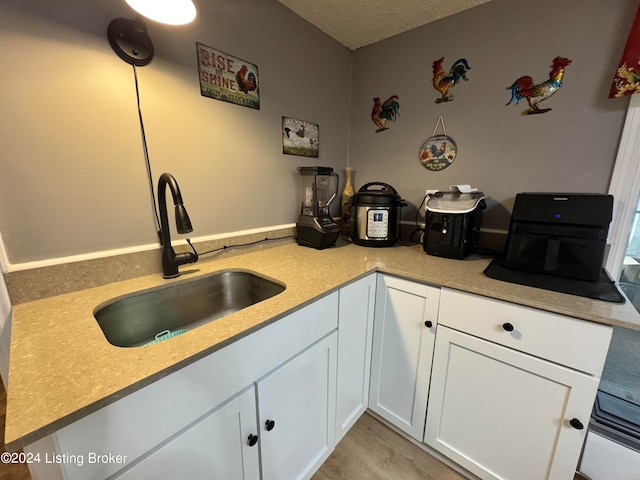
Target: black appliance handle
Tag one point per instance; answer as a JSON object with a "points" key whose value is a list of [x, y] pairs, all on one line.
{"points": [[365, 187]]}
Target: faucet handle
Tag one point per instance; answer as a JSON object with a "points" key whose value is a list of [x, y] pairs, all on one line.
{"points": [[186, 257], [194, 251]]}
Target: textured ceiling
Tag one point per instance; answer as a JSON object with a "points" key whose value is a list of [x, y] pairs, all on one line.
{"points": [[356, 23]]}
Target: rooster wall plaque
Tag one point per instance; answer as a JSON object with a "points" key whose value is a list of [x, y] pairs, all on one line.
{"points": [[389, 110], [443, 82], [524, 87], [438, 151]]}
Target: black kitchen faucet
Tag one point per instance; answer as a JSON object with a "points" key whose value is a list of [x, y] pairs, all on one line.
{"points": [[170, 259]]}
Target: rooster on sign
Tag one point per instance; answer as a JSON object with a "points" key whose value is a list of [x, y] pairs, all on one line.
{"points": [[389, 110], [246, 83]]}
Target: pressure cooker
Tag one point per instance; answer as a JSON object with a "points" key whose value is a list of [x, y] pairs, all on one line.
{"points": [[375, 215]]}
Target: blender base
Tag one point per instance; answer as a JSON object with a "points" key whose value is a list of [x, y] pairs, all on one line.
{"points": [[310, 234]]}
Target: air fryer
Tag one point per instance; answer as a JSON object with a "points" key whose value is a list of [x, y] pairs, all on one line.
{"points": [[559, 234]]}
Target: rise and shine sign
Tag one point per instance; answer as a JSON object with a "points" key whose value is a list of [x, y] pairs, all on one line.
{"points": [[227, 78]]}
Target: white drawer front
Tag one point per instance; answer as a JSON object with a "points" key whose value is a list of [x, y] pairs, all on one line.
{"points": [[568, 341]]}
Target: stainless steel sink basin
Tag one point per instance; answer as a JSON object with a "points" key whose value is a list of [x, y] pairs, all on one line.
{"points": [[136, 319]]}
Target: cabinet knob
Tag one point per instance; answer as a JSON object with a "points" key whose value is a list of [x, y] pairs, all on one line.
{"points": [[575, 423], [507, 327], [252, 440], [428, 324], [269, 424]]}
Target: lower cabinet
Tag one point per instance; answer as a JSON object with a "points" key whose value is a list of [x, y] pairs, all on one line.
{"points": [[355, 330], [296, 410], [288, 417], [261, 408], [502, 414], [222, 445], [403, 338], [512, 401]]}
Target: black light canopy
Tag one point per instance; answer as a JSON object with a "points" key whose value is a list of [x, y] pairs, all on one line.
{"points": [[130, 39]]}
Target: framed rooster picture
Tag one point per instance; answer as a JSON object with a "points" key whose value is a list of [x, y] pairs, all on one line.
{"points": [[227, 78], [300, 138]]}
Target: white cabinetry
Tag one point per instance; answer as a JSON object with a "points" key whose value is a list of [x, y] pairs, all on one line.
{"points": [[355, 330], [403, 339], [296, 406], [294, 431], [512, 399], [206, 403], [222, 445]]}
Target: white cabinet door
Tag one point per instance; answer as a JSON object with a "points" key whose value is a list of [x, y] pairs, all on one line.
{"points": [[403, 339], [355, 330], [217, 447], [296, 406], [503, 414]]}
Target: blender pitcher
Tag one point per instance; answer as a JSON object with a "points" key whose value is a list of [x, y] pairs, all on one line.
{"points": [[315, 226]]}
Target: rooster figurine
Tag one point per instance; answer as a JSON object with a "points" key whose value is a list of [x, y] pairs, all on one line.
{"points": [[524, 87], [443, 82], [389, 110]]}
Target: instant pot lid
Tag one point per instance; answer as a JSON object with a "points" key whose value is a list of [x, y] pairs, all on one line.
{"points": [[384, 195]]}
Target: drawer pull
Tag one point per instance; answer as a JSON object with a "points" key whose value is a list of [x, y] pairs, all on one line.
{"points": [[507, 327], [428, 324], [575, 423], [252, 440], [269, 424]]}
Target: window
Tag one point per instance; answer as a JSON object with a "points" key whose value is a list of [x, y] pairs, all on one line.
{"points": [[617, 408]]}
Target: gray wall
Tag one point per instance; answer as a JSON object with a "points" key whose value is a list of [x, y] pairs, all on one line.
{"points": [[571, 148], [72, 176]]}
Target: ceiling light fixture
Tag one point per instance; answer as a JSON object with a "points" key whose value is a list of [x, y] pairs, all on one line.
{"points": [[171, 12], [130, 39]]}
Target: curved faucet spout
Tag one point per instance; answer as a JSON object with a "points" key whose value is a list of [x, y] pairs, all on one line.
{"points": [[170, 260]]}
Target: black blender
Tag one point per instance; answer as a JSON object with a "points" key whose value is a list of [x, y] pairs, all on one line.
{"points": [[315, 226]]}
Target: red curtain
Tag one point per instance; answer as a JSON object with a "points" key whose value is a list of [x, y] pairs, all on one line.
{"points": [[627, 78]]}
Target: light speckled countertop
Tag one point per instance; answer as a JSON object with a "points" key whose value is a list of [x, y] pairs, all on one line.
{"points": [[62, 367]]}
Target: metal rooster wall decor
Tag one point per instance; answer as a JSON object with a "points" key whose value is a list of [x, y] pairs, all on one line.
{"points": [[525, 88], [443, 82], [382, 112]]}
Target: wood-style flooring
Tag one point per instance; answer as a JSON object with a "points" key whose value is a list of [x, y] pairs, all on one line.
{"points": [[373, 451], [10, 471]]}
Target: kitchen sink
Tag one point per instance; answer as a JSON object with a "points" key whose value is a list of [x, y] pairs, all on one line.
{"points": [[150, 315]]}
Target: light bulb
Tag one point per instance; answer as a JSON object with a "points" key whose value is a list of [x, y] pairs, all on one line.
{"points": [[171, 12]]}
